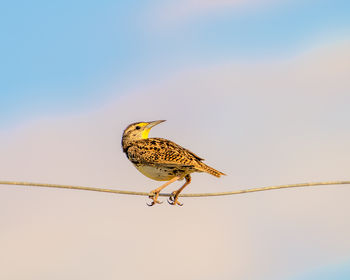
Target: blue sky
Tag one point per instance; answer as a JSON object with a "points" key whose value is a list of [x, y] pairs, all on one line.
{"points": [[58, 56], [336, 272]]}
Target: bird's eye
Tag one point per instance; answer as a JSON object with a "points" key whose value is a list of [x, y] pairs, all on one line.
{"points": [[138, 127]]}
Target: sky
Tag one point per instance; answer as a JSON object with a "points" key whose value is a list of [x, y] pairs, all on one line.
{"points": [[258, 88], [62, 55]]}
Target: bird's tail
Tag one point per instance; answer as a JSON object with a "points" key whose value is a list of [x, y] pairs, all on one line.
{"points": [[211, 170]]}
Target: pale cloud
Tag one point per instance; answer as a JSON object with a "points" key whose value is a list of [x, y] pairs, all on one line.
{"points": [[265, 123], [179, 12]]}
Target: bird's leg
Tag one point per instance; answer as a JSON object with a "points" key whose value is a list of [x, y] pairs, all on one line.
{"points": [[175, 194], [155, 193]]}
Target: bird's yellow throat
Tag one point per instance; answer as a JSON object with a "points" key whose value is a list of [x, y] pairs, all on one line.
{"points": [[145, 133]]}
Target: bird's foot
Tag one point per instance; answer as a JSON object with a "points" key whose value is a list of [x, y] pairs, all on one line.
{"points": [[154, 196], [173, 199]]}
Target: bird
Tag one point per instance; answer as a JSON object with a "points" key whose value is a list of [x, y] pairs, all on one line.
{"points": [[161, 159]]}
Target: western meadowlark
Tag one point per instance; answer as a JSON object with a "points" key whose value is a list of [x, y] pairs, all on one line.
{"points": [[161, 159]]}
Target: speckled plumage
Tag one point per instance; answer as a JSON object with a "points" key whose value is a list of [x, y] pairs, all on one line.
{"points": [[161, 159]]}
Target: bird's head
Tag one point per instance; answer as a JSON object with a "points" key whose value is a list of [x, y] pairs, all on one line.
{"points": [[138, 131]]}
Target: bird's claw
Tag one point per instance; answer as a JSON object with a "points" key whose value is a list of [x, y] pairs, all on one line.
{"points": [[154, 196], [153, 202], [172, 200]]}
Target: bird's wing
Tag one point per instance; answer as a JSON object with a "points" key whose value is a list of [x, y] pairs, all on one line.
{"points": [[174, 146], [157, 151]]}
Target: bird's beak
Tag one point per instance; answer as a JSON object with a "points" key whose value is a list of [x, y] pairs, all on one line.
{"points": [[148, 127], [152, 124]]}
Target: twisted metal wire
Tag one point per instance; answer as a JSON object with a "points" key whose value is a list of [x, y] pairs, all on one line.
{"points": [[105, 190]]}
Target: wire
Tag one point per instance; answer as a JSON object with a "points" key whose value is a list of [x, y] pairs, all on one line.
{"points": [[260, 189]]}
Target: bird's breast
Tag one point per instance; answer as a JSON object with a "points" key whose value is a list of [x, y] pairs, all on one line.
{"points": [[159, 173]]}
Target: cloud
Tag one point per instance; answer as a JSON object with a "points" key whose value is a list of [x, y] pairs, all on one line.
{"points": [[265, 123], [178, 12]]}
